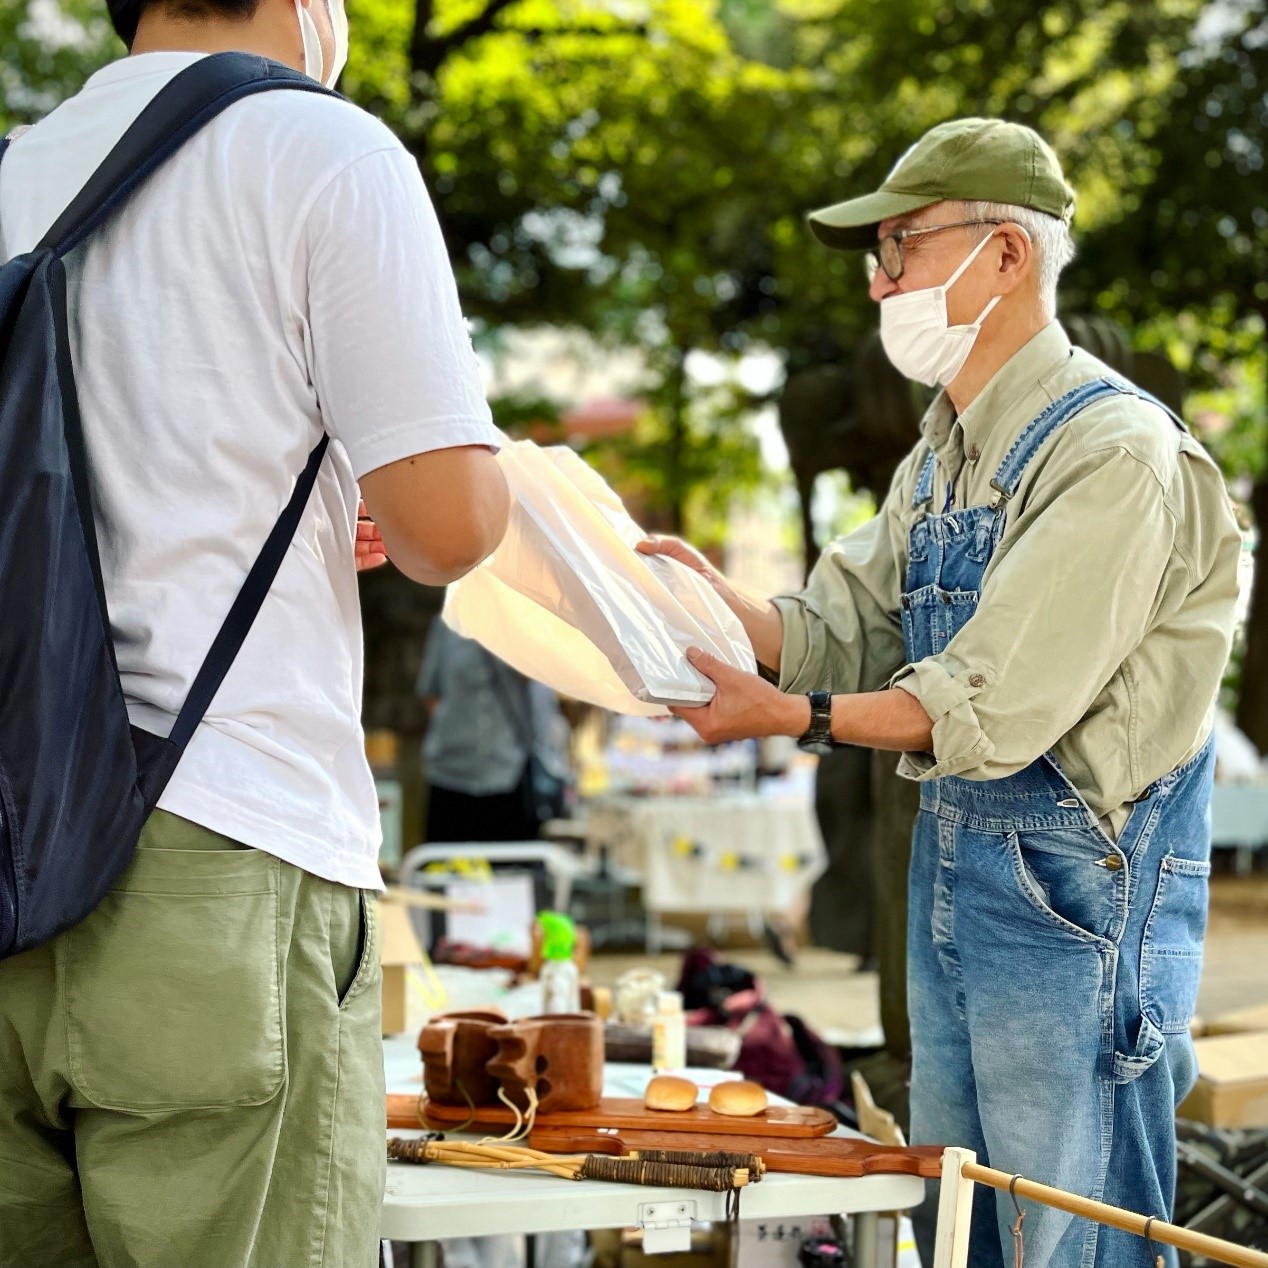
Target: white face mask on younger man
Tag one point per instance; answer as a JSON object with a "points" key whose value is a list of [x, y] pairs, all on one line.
{"points": [[916, 336], [314, 61]]}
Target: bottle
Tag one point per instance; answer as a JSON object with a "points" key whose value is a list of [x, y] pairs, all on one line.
{"points": [[669, 1033], [561, 983]]}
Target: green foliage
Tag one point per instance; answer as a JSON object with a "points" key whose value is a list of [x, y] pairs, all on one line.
{"points": [[642, 168], [50, 48]]}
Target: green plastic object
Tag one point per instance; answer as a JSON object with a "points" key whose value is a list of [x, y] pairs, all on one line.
{"points": [[559, 935]]}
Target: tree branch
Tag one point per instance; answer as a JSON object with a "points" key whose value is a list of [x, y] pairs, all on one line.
{"points": [[428, 54]]}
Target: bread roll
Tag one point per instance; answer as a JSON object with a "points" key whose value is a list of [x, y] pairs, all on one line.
{"points": [[665, 1092], [741, 1100]]}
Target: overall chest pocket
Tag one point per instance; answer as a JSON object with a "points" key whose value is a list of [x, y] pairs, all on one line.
{"points": [[959, 606], [1171, 952]]}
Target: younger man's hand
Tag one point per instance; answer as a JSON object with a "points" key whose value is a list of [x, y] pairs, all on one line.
{"points": [[370, 551]]}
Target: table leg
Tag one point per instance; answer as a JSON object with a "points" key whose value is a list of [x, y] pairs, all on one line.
{"points": [[865, 1240], [955, 1211], [424, 1255]]}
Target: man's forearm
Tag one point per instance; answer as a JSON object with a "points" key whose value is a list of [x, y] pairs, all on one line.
{"points": [[894, 720], [762, 623]]}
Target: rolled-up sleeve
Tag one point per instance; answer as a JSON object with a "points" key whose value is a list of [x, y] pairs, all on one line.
{"points": [[1060, 611], [842, 632]]}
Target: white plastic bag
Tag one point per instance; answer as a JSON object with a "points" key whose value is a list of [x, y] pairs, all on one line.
{"points": [[567, 600]]}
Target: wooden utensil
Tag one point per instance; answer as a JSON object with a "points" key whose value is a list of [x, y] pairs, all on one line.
{"points": [[812, 1156], [626, 1113]]}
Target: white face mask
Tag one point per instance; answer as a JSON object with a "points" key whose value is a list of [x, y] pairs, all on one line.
{"points": [[313, 59], [917, 339]]}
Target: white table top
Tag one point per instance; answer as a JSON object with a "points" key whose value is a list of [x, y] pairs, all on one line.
{"points": [[428, 1203]]}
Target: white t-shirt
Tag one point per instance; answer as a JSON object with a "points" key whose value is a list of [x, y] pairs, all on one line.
{"points": [[283, 274]]}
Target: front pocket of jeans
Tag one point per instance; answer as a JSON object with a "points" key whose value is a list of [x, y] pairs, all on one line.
{"points": [[1060, 879], [172, 991], [1171, 951]]}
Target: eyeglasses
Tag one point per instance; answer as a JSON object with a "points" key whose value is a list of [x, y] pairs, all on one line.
{"points": [[889, 250]]}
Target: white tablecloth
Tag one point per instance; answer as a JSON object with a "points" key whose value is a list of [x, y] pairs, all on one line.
{"points": [[738, 853], [423, 1204]]}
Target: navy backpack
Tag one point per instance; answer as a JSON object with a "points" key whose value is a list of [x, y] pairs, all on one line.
{"points": [[77, 780]]}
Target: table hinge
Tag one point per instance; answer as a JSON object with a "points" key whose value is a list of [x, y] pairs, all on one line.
{"points": [[666, 1226]]}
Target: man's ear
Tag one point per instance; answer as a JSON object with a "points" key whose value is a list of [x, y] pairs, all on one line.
{"points": [[1017, 259]]}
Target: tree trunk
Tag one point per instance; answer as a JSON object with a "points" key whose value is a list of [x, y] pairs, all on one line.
{"points": [[1252, 703], [843, 902], [896, 801], [676, 408], [809, 546]]}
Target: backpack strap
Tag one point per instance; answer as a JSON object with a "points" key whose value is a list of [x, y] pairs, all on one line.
{"points": [[11, 136], [246, 607], [189, 100]]}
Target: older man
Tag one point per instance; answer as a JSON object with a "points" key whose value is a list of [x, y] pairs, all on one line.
{"points": [[1037, 619]]}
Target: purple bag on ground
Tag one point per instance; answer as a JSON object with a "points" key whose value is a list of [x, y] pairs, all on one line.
{"points": [[780, 1052]]}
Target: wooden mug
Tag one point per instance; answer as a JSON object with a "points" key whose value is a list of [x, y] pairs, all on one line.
{"points": [[457, 1048], [559, 1056]]}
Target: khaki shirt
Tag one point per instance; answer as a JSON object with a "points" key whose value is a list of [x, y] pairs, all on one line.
{"points": [[1106, 612]]}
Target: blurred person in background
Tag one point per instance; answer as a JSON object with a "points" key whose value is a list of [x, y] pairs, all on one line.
{"points": [[496, 748]]}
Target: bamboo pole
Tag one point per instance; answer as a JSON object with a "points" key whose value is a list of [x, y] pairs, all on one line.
{"points": [[1129, 1221]]}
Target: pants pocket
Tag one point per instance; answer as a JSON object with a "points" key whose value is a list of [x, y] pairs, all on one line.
{"points": [[171, 986], [1060, 874], [367, 972], [1171, 951]]}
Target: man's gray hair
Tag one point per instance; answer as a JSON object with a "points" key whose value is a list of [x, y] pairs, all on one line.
{"points": [[1049, 236]]}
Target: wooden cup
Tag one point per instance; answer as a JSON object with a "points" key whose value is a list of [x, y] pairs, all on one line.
{"points": [[560, 1056], [457, 1048]]}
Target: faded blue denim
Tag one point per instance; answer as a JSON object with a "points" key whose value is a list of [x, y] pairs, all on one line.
{"points": [[1052, 971]]}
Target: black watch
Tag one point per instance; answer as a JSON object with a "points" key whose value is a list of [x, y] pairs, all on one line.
{"points": [[819, 733]]}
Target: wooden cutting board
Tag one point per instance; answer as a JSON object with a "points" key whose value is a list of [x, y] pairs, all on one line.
{"points": [[622, 1113], [831, 1156]]}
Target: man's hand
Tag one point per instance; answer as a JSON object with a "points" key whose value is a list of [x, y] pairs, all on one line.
{"points": [[745, 706], [676, 548], [760, 618], [370, 551]]}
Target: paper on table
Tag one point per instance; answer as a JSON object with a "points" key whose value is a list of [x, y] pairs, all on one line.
{"points": [[498, 912], [567, 600]]}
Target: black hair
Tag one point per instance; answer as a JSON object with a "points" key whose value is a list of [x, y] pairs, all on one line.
{"points": [[125, 14]]}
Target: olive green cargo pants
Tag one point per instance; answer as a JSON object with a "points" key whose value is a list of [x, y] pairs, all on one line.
{"points": [[194, 1074]]}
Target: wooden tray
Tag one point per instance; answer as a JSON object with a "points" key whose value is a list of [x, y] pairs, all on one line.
{"points": [[833, 1156], [622, 1113]]}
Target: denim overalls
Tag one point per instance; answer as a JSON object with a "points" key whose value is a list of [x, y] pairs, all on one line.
{"points": [[1052, 971]]}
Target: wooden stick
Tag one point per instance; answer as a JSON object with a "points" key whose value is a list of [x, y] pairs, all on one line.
{"points": [[425, 901], [1129, 1221]]}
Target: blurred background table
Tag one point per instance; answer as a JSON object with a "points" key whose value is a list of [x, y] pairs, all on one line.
{"points": [[741, 854]]}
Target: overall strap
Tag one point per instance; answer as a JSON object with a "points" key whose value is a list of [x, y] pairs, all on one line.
{"points": [[190, 99], [1007, 479], [924, 485]]}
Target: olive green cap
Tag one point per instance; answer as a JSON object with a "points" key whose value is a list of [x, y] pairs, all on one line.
{"points": [[964, 160]]}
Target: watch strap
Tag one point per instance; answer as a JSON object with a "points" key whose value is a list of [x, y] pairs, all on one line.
{"points": [[820, 730]]}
